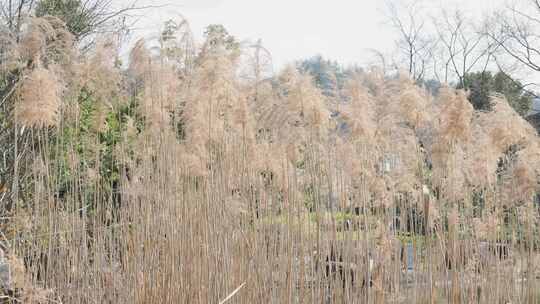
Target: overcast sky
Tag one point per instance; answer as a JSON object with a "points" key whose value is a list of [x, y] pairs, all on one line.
{"points": [[343, 30]]}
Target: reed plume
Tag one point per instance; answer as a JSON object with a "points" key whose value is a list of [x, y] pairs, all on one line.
{"points": [[39, 99]]}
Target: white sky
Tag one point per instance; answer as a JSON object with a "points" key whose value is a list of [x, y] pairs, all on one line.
{"points": [[342, 30]]}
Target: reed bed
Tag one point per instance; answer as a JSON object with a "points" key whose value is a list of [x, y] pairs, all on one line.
{"points": [[176, 180]]}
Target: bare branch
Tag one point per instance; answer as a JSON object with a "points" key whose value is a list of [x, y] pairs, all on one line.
{"points": [[464, 45], [515, 32], [414, 44]]}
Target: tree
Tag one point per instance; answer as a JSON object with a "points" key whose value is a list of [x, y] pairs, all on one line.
{"points": [[78, 21], [85, 18], [218, 37], [178, 45], [256, 66], [479, 85], [432, 86], [512, 89], [413, 44], [482, 85], [12, 13], [464, 47], [515, 31], [328, 75]]}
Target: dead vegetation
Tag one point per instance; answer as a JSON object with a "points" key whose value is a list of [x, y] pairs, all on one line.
{"points": [[175, 180]]}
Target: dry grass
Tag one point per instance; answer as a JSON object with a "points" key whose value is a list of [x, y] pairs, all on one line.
{"points": [[217, 191]]}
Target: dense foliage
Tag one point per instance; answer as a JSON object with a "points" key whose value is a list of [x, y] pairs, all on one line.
{"points": [[483, 85]]}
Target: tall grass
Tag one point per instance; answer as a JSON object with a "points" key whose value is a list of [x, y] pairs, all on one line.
{"points": [[177, 181]]}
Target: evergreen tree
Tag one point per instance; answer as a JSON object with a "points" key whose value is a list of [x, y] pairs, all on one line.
{"points": [[481, 85]]}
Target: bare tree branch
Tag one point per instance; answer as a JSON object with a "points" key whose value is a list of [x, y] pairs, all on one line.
{"points": [[515, 31], [464, 45], [414, 43]]}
